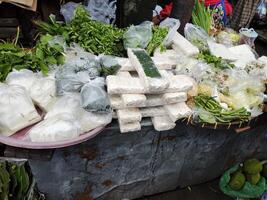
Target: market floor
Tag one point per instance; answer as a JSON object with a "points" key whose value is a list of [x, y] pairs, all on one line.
{"points": [[208, 191]]}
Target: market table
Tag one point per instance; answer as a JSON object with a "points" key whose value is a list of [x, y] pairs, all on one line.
{"points": [[116, 166]]}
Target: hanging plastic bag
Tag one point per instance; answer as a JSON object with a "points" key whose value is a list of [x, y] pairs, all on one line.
{"points": [[17, 110], [90, 120], [103, 10], [67, 10], [138, 36], [109, 65], [197, 36], [247, 191], [173, 25], [261, 10], [57, 128], [23, 77], [94, 98]]}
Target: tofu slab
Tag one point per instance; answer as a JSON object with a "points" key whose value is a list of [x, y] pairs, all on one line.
{"points": [[133, 100], [129, 115], [153, 111], [178, 111], [179, 83], [130, 127], [177, 97], [152, 85], [163, 123]]}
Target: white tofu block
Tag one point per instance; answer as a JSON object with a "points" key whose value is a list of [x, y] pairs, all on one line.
{"points": [[263, 59], [152, 85], [120, 85], [169, 53], [178, 111], [179, 83], [153, 111], [244, 55], [116, 102], [163, 123], [133, 100], [124, 73], [177, 97], [130, 127], [125, 64], [222, 51], [129, 115], [180, 43]]}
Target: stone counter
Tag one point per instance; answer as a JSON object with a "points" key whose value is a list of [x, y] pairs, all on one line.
{"points": [[113, 166]]}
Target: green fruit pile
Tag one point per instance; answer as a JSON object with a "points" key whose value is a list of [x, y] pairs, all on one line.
{"points": [[252, 171]]}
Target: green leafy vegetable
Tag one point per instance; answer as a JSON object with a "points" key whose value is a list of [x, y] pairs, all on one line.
{"points": [[214, 112], [159, 34], [147, 63]]}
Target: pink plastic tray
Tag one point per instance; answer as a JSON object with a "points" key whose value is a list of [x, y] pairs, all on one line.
{"points": [[20, 139]]}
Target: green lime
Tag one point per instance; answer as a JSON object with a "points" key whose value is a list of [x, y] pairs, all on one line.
{"points": [[252, 166], [237, 180]]}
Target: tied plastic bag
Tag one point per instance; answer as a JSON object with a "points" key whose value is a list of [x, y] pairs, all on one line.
{"points": [[90, 121], [94, 98], [67, 10], [103, 10], [68, 104], [23, 77], [138, 36], [173, 25], [197, 36], [17, 110], [247, 191], [109, 65], [58, 128], [248, 36]]}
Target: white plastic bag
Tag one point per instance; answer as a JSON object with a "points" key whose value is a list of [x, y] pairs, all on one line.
{"points": [[57, 128], [173, 25], [90, 121], [67, 10], [23, 77], [103, 10], [16, 109], [94, 98], [43, 92], [67, 104], [138, 36]]}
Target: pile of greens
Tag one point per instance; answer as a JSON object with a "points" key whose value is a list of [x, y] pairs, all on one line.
{"points": [[211, 111], [93, 36], [38, 59], [159, 34], [215, 61]]}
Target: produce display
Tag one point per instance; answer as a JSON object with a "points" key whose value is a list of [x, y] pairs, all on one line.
{"points": [[73, 81]]}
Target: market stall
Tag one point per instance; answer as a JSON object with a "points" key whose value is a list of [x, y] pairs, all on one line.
{"points": [[148, 109]]}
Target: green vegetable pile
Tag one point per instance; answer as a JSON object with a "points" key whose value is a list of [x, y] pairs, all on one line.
{"points": [[214, 112], [216, 62], [38, 59], [159, 34], [93, 36]]}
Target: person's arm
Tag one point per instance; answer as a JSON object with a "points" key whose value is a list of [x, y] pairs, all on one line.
{"points": [[182, 10]]}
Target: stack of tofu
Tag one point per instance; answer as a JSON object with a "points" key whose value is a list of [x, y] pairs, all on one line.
{"points": [[146, 87]]}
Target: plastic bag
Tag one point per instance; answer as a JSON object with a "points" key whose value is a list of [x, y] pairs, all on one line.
{"points": [[57, 128], [68, 104], [261, 10], [109, 65], [94, 98], [248, 36], [17, 110], [67, 10], [173, 25], [138, 36], [228, 37], [103, 10], [23, 77], [43, 92], [90, 121], [247, 191], [197, 36]]}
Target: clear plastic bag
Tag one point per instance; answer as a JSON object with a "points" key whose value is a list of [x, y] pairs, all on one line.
{"points": [[197, 36], [109, 65], [17, 109], [261, 10], [103, 10], [173, 25], [23, 77], [67, 10], [138, 36], [248, 36], [94, 98], [57, 128]]}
